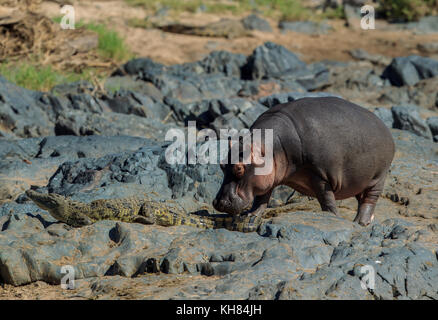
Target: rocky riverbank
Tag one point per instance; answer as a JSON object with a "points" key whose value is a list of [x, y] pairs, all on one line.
{"points": [[90, 143]]}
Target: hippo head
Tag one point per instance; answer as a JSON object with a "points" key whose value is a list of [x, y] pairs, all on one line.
{"points": [[243, 181]]}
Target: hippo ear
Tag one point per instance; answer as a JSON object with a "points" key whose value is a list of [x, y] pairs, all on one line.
{"points": [[257, 155]]}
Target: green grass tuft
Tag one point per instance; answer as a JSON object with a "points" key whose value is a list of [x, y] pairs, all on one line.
{"points": [[40, 78], [111, 44]]}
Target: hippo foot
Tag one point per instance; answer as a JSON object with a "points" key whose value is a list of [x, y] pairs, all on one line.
{"points": [[365, 215], [254, 212]]}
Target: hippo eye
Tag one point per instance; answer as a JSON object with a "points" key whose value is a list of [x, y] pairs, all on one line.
{"points": [[239, 170]]}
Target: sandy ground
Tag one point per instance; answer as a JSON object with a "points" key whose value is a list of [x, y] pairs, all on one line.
{"points": [[171, 48]]}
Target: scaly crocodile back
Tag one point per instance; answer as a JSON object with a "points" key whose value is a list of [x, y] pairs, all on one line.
{"points": [[167, 213]]}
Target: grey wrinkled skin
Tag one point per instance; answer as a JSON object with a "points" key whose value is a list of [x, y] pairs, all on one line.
{"points": [[327, 148]]}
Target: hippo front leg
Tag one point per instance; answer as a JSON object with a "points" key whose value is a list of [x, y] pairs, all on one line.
{"points": [[325, 195], [259, 205]]}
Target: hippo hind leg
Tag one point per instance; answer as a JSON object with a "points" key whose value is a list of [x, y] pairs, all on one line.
{"points": [[367, 202]]}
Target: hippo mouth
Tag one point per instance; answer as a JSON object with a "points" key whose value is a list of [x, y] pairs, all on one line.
{"points": [[231, 203], [232, 208]]}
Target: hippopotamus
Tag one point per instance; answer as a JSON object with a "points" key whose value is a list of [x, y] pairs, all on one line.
{"points": [[326, 147]]}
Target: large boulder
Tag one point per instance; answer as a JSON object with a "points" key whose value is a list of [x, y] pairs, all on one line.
{"points": [[22, 114], [271, 60], [426, 25], [131, 102], [410, 70], [81, 123], [235, 113], [408, 118], [385, 115], [254, 22], [33, 161], [216, 76]]}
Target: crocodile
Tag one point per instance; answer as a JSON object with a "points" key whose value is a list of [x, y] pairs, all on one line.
{"points": [[145, 211]]}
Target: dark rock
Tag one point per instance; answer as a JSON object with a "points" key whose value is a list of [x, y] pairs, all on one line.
{"points": [[401, 72], [134, 174], [432, 122], [33, 161], [308, 27], [408, 118], [19, 148], [385, 115], [129, 102], [142, 67], [254, 22], [85, 102], [278, 98], [221, 113], [410, 70], [22, 113], [333, 63], [354, 78], [378, 59], [426, 25], [70, 147], [129, 83], [230, 64], [317, 78], [216, 76], [428, 47], [81, 123], [249, 89], [271, 60], [197, 87], [394, 95], [72, 88], [417, 95]]}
